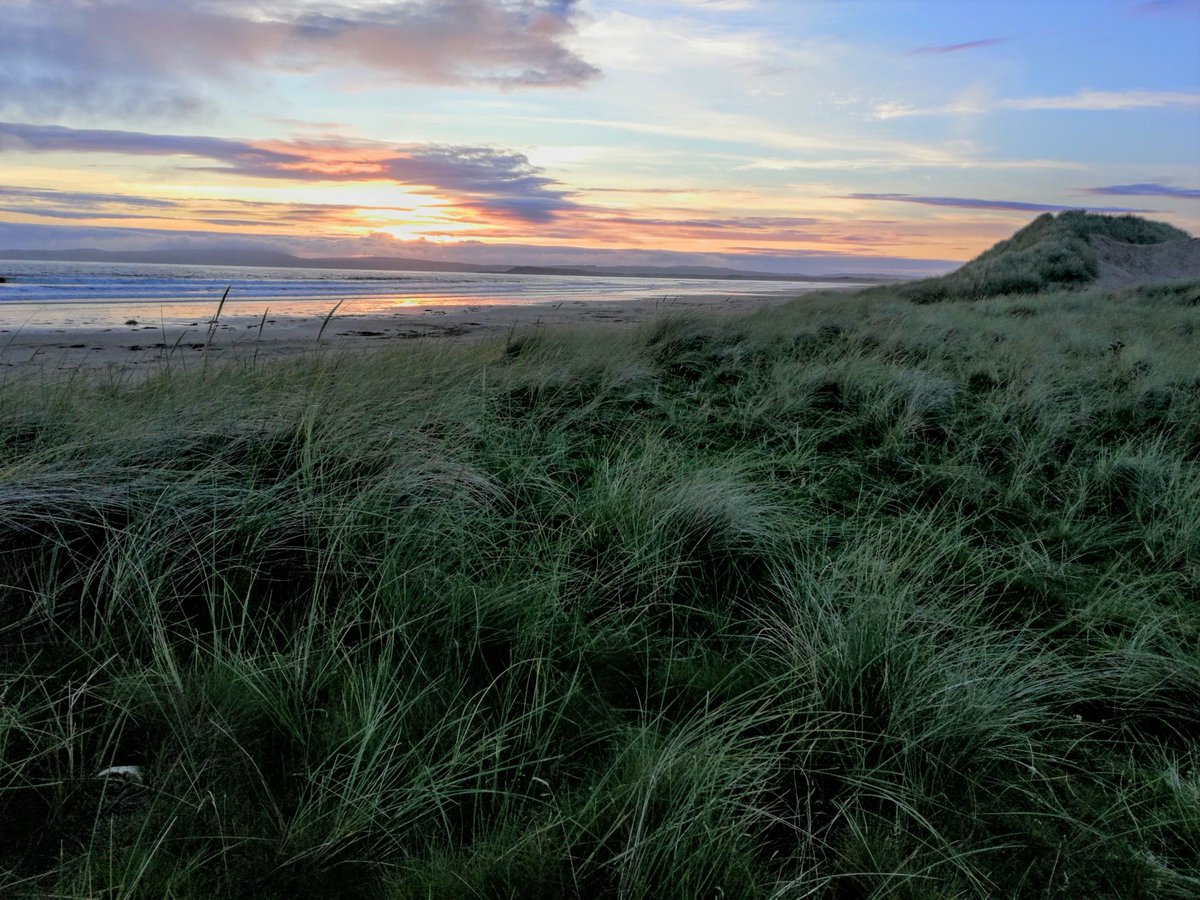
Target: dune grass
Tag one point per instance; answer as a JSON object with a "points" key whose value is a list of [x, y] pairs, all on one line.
{"points": [[1051, 253], [853, 598]]}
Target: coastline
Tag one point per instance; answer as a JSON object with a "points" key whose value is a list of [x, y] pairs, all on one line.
{"points": [[147, 348]]}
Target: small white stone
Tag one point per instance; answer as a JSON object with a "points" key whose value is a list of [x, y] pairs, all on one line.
{"points": [[129, 773]]}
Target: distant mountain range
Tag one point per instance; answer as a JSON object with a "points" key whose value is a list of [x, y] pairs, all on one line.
{"points": [[269, 259]]}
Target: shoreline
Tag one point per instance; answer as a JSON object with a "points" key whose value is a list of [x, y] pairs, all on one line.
{"points": [[150, 348]]}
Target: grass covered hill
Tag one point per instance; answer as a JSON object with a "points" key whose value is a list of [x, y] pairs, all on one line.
{"points": [[853, 598], [1058, 252]]}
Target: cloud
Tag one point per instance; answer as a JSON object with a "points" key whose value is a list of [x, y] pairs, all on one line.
{"points": [[74, 200], [1147, 189], [494, 180], [773, 224], [589, 223], [777, 230], [955, 48], [56, 138], [81, 205], [1159, 7], [787, 165], [1095, 101], [708, 5], [50, 204], [287, 221], [140, 57], [1106, 100], [972, 203], [490, 181]]}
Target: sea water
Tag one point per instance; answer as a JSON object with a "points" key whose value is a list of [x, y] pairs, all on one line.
{"points": [[65, 294]]}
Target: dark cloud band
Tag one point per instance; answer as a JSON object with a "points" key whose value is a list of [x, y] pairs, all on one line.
{"points": [[973, 203], [496, 182], [1147, 189]]}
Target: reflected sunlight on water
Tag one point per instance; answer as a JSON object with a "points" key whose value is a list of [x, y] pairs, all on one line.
{"points": [[63, 294]]}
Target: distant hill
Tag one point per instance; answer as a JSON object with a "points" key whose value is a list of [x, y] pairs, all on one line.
{"points": [[711, 272], [1073, 249], [270, 259]]}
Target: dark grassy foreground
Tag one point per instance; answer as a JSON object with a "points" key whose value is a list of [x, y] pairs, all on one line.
{"points": [[852, 599]]}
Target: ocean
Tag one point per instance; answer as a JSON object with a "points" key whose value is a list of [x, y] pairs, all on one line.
{"points": [[38, 295]]}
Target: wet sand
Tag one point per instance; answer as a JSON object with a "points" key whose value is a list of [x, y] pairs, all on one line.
{"points": [[146, 348]]}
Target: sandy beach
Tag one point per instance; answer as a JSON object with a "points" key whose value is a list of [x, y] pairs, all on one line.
{"points": [[144, 348]]}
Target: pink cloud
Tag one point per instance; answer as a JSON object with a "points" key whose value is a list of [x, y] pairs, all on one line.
{"points": [[498, 184]]}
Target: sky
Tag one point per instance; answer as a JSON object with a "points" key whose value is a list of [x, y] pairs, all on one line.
{"points": [[770, 135]]}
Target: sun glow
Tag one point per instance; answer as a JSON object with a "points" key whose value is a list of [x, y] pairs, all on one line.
{"points": [[415, 231]]}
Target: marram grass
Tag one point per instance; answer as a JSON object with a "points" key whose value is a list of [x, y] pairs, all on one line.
{"points": [[854, 598]]}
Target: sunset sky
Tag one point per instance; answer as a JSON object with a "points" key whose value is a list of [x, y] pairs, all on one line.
{"points": [[778, 135]]}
